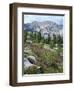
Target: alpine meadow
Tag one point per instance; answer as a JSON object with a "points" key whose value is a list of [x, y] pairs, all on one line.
{"points": [[43, 44]]}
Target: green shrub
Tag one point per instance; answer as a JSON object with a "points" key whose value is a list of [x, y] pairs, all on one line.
{"points": [[31, 70]]}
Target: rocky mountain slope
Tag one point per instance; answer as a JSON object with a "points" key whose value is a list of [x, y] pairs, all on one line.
{"points": [[45, 27]]}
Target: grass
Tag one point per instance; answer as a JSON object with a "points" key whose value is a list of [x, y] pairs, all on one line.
{"points": [[49, 61]]}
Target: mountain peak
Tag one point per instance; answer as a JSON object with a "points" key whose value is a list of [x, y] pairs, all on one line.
{"points": [[45, 26]]}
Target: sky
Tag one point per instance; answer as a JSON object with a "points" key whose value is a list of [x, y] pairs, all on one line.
{"points": [[40, 18]]}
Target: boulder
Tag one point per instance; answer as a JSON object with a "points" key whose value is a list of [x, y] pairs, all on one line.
{"points": [[32, 59], [27, 64]]}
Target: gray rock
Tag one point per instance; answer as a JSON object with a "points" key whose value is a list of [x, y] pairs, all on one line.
{"points": [[32, 59], [27, 64]]}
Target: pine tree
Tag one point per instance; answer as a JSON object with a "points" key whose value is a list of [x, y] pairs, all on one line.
{"points": [[59, 40], [49, 39], [39, 37], [33, 36], [25, 36], [54, 39]]}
